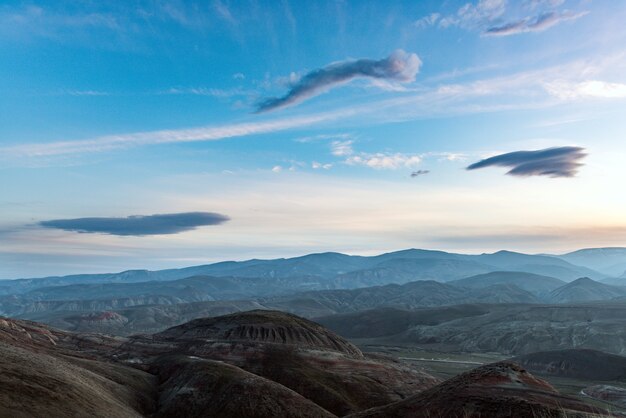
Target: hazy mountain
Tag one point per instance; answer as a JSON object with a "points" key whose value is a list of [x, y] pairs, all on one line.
{"points": [[407, 296], [502, 293], [345, 270], [616, 281], [610, 261], [125, 316], [585, 289], [190, 289], [533, 283], [403, 270]]}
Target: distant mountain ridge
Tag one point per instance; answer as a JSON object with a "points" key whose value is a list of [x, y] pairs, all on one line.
{"points": [[350, 270]]}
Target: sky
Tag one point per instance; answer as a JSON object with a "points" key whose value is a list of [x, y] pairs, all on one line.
{"points": [[157, 134]]}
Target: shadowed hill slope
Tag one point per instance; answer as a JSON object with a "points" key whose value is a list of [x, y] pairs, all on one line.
{"points": [[248, 364], [576, 363], [508, 329], [495, 390]]}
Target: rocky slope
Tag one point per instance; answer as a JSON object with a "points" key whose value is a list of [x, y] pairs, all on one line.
{"points": [[252, 364], [576, 363], [607, 393], [261, 326], [495, 390]]}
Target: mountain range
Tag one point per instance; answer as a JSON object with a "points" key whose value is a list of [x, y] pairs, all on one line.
{"points": [[335, 270]]}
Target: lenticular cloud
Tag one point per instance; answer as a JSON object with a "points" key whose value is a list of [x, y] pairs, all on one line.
{"points": [[139, 225], [399, 66], [552, 162]]}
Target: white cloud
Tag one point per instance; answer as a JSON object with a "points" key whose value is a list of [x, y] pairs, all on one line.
{"points": [[587, 89], [207, 133], [322, 137], [471, 15], [277, 169], [316, 166], [87, 93], [342, 148], [213, 92], [427, 21], [385, 161]]}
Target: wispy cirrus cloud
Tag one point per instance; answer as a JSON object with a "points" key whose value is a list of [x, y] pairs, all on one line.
{"points": [[428, 20], [342, 148], [88, 93], [206, 91], [533, 24], [502, 18], [399, 66], [139, 225], [568, 90], [475, 15], [209, 133], [552, 162]]}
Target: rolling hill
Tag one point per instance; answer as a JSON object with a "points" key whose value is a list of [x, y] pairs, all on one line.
{"points": [[249, 364], [584, 290], [506, 328], [533, 283]]}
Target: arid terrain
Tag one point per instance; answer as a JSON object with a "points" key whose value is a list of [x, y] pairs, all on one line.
{"points": [[253, 364], [413, 333]]}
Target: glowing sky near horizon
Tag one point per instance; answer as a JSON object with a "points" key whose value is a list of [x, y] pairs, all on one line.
{"points": [[298, 126]]}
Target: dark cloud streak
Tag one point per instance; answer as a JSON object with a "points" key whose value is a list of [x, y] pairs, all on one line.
{"points": [[399, 66], [419, 173], [552, 162], [139, 225]]}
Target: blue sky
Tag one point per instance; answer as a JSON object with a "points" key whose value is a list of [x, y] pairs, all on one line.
{"points": [[118, 109]]}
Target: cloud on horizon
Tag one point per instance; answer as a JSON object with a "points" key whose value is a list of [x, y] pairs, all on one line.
{"points": [[139, 225], [399, 66], [552, 162]]}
